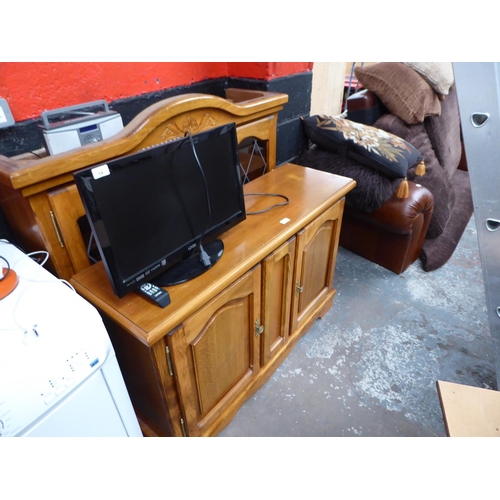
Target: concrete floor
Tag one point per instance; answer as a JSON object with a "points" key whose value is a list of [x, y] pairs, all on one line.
{"points": [[370, 366]]}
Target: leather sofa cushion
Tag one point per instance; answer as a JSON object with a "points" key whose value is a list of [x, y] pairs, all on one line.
{"points": [[398, 216], [364, 107], [401, 89]]}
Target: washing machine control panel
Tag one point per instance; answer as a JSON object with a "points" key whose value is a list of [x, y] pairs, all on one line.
{"points": [[44, 386]]}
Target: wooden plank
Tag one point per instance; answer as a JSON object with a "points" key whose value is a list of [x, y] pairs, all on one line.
{"points": [[469, 411]]}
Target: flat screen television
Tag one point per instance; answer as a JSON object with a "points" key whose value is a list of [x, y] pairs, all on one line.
{"points": [[156, 214]]}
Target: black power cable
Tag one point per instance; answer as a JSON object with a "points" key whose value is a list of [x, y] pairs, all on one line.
{"points": [[286, 202], [4, 276], [204, 257]]}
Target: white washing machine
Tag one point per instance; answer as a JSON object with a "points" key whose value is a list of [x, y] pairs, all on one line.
{"points": [[58, 371]]}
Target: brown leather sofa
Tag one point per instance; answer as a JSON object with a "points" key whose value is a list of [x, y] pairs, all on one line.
{"points": [[393, 235], [428, 224]]}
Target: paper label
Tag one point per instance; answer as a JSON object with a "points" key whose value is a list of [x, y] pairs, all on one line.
{"points": [[286, 220], [100, 171]]}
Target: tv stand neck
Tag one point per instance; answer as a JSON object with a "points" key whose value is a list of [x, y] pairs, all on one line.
{"points": [[191, 267]]}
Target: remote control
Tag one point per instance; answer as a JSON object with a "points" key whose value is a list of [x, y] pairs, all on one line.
{"points": [[155, 294]]}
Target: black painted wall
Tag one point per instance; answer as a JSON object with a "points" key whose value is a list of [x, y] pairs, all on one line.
{"points": [[27, 136], [290, 138]]}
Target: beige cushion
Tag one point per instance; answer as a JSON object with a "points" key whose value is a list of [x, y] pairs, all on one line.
{"points": [[439, 75], [401, 89]]}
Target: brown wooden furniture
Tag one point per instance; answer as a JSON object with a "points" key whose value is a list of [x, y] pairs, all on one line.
{"points": [[40, 199], [190, 367], [469, 411]]}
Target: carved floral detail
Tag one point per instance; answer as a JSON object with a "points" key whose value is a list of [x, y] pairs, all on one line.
{"points": [[188, 125]]}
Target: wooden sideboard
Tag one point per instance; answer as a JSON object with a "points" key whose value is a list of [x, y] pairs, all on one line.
{"points": [[190, 367], [40, 199]]}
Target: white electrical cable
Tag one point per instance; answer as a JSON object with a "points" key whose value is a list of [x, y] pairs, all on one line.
{"points": [[38, 252], [29, 255]]}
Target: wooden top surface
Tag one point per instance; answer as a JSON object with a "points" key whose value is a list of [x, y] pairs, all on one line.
{"points": [[469, 411], [310, 193]]}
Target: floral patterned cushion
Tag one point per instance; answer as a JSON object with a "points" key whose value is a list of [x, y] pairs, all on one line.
{"points": [[370, 146]]}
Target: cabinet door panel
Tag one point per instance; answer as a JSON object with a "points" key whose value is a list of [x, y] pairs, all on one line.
{"points": [[277, 282], [67, 208], [217, 346], [315, 264], [215, 352], [317, 246]]}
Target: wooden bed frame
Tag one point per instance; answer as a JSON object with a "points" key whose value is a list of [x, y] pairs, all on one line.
{"points": [[40, 199]]}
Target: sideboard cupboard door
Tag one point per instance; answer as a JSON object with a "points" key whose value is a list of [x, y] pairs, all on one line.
{"points": [[277, 282], [215, 354], [317, 246], [66, 208]]}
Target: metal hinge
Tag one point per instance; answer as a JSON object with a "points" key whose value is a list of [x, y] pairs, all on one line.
{"points": [[298, 288], [169, 362], [56, 227], [258, 328]]}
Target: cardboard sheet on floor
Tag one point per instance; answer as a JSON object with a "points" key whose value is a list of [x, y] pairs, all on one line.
{"points": [[469, 411]]}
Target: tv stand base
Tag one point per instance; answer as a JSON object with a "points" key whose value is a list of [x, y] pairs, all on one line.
{"points": [[192, 267]]}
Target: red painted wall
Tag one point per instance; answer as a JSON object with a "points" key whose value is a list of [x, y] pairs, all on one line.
{"points": [[31, 88]]}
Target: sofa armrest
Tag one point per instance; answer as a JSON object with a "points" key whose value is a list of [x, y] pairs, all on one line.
{"points": [[364, 107], [392, 236], [398, 216]]}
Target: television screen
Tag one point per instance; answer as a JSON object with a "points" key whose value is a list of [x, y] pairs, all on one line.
{"points": [[150, 211]]}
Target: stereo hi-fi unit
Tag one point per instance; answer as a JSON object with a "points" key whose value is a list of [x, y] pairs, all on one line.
{"points": [[74, 126]]}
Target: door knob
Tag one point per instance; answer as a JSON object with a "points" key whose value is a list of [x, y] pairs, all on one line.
{"points": [[479, 119]]}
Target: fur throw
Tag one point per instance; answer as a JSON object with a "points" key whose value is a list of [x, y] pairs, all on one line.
{"points": [[372, 188]]}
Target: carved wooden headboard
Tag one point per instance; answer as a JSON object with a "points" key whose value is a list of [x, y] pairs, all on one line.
{"points": [[40, 199]]}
